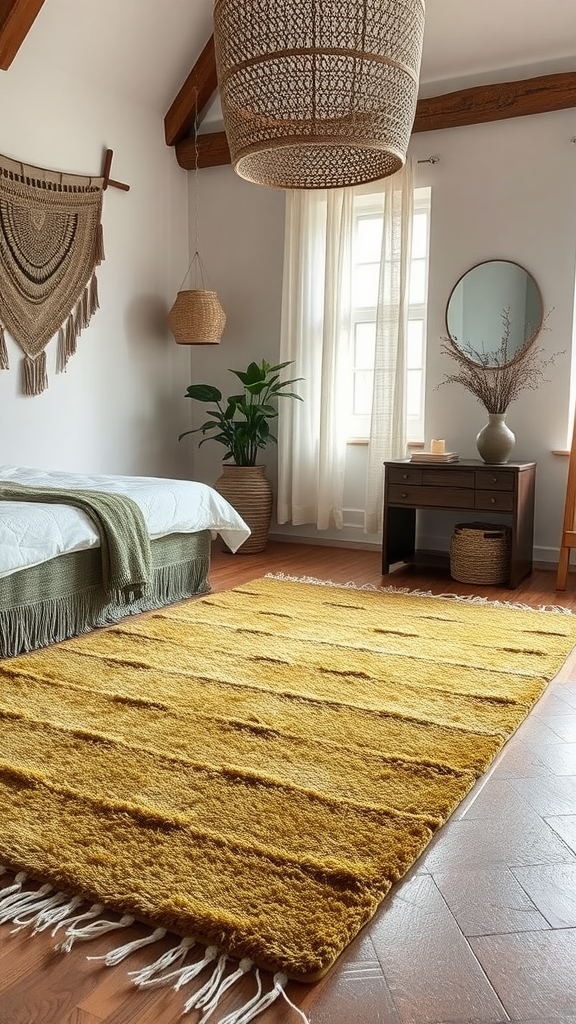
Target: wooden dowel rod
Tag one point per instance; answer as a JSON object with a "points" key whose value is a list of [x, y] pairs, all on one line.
{"points": [[108, 181], [118, 184]]}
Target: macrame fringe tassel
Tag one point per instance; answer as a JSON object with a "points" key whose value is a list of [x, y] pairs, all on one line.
{"points": [[79, 319], [93, 303], [4, 364], [34, 377], [43, 908], [100, 255]]}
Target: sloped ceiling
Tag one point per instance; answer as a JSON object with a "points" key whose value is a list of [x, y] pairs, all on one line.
{"points": [[140, 50]]}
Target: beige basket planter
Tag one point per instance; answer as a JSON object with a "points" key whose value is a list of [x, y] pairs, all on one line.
{"points": [[197, 318], [249, 491]]}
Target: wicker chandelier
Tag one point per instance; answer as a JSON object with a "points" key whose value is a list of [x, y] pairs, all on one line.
{"points": [[318, 93]]}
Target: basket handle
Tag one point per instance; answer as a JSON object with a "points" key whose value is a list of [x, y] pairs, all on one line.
{"points": [[199, 268]]}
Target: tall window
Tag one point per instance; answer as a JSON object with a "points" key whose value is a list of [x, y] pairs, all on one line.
{"points": [[365, 274]]}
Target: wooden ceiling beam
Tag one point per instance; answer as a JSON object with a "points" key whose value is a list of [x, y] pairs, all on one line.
{"points": [[478, 105], [193, 96], [16, 19], [484, 103], [213, 151]]}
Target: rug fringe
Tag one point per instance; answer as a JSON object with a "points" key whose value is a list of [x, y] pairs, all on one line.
{"points": [[92, 931], [45, 908], [172, 956], [70, 922], [467, 598], [208, 1001], [115, 956], [22, 901], [182, 974]]}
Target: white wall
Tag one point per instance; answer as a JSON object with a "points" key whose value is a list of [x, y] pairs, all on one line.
{"points": [[114, 409], [505, 190]]}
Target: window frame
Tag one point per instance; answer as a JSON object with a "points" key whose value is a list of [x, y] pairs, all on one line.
{"points": [[370, 204]]}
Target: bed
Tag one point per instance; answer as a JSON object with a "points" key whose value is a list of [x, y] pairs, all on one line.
{"points": [[51, 568]]}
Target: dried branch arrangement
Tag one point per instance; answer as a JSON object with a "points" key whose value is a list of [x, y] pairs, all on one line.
{"points": [[497, 379]]}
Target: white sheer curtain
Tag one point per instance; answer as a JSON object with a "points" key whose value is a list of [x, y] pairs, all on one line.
{"points": [[388, 421], [316, 334]]}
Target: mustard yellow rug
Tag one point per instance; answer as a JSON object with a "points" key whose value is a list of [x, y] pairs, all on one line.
{"points": [[258, 767]]}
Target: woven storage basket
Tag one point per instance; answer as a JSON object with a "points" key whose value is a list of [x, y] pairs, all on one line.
{"points": [[480, 553], [197, 318]]}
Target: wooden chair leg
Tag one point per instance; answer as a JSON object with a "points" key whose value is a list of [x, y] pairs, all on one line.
{"points": [[568, 539], [563, 564]]}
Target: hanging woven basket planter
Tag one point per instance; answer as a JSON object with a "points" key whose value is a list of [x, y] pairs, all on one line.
{"points": [[318, 93], [197, 318]]}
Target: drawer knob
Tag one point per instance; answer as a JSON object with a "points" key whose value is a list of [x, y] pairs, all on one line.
{"points": [[492, 501], [403, 495], [494, 479], [405, 476]]}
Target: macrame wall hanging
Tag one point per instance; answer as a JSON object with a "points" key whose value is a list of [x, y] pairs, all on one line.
{"points": [[50, 245]]}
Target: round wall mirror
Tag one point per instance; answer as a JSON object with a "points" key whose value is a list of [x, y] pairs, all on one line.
{"points": [[493, 310]]}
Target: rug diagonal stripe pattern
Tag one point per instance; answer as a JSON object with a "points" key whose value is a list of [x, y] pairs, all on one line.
{"points": [[257, 768]]}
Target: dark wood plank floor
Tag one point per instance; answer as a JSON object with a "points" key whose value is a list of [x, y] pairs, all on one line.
{"points": [[482, 929]]}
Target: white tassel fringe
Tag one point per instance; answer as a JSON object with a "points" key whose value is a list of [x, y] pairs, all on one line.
{"points": [[172, 956], [114, 956], [92, 931]]}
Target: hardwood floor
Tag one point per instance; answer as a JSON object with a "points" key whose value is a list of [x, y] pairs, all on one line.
{"points": [[481, 930]]}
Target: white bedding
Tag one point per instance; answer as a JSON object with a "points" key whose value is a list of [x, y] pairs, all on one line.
{"points": [[31, 532]]}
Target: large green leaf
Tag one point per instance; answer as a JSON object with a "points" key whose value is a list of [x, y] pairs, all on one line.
{"points": [[255, 389], [203, 393]]}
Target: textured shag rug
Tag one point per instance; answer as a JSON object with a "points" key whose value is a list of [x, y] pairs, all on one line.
{"points": [[258, 767]]}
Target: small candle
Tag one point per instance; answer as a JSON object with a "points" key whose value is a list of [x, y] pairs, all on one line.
{"points": [[438, 446]]}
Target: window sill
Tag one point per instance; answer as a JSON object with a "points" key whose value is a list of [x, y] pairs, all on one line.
{"points": [[412, 445], [420, 445]]}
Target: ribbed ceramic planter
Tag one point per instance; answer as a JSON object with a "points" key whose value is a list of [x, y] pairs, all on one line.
{"points": [[249, 491], [495, 441]]}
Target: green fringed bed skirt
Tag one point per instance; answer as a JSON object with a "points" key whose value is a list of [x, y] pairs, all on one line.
{"points": [[64, 597]]}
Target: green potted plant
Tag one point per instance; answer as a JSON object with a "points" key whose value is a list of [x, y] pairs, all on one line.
{"points": [[242, 426]]}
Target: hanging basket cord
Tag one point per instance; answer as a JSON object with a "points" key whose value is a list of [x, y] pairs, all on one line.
{"points": [[199, 270]]}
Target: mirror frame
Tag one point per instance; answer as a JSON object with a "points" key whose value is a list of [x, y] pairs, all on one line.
{"points": [[532, 336]]}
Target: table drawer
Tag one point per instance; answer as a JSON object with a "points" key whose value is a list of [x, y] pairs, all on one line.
{"points": [[499, 501], [494, 480], [448, 478], [430, 497], [401, 475]]}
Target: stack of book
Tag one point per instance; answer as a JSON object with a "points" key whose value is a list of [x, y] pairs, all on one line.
{"points": [[434, 457]]}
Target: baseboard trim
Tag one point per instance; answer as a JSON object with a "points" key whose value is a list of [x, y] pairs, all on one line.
{"points": [[546, 565], [324, 542]]}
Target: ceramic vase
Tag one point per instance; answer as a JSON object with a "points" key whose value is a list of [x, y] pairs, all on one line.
{"points": [[249, 491], [495, 441]]}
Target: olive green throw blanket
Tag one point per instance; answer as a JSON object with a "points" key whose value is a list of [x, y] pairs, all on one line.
{"points": [[258, 767], [124, 538]]}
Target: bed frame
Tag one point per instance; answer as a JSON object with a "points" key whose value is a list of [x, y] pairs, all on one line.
{"points": [[64, 596]]}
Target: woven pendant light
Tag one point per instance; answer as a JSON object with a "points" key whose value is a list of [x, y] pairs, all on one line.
{"points": [[318, 93]]}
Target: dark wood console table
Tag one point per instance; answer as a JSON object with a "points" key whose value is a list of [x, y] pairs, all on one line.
{"points": [[468, 486]]}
